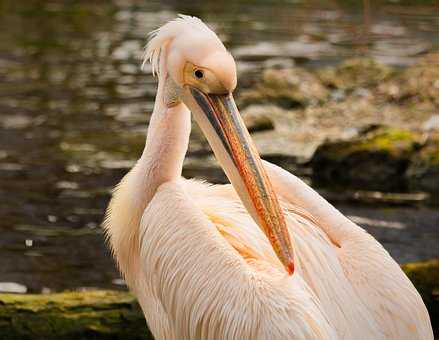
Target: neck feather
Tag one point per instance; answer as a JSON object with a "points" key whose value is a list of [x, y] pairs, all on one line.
{"points": [[167, 140], [161, 161], [166, 146]]}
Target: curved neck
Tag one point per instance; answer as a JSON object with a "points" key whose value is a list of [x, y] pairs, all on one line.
{"points": [[167, 140], [162, 161]]}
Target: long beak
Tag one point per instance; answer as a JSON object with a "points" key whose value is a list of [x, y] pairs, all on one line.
{"points": [[221, 122]]}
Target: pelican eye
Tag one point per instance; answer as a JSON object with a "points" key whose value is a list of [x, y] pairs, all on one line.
{"points": [[199, 74]]}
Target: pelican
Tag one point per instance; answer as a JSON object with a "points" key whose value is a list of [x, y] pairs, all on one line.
{"points": [[264, 257]]}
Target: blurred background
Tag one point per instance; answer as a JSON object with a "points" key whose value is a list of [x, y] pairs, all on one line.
{"points": [[343, 93]]}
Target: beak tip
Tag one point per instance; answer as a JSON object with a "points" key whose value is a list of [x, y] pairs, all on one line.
{"points": [[290, 268]]}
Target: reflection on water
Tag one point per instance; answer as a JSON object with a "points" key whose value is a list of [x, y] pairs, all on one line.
{"points": [[74, 105]]}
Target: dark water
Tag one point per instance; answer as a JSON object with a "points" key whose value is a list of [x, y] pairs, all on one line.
{"points": [[74, 107]]}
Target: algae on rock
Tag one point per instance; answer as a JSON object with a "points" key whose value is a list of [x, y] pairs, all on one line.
{"points": [[72, 315], [375, 160], [383, 159]]}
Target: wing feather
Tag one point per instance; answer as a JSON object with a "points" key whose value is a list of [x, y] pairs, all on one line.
{"points": [[207, 290], [377, 280]]}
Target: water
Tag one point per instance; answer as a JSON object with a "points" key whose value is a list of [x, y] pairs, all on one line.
{"points": [[74, 107]]}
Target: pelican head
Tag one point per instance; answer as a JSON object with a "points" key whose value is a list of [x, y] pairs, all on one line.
{"points": [[196, 70]]}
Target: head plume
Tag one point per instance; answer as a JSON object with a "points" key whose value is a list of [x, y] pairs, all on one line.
{"points": [[160, 37]]}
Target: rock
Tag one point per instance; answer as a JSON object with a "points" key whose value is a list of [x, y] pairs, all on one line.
{"points": [[72, 315], [423, 172], [287, 88], [355, 73], [375, 160]]}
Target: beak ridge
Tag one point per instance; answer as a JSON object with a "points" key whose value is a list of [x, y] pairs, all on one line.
{"points": [[240, 160]]}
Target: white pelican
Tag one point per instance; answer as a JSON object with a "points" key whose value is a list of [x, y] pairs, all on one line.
{"points": [[263, 258]]}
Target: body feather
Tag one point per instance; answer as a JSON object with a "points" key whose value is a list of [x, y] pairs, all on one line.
{"points": [[208, 272]]}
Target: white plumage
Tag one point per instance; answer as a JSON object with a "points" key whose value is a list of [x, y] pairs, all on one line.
{"points": [[203, 269]]}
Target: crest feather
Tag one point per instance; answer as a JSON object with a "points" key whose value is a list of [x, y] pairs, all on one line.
{"points": [[158, 38]]}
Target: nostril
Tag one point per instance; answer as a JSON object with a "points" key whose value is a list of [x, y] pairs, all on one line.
{"points": [[199, 74]]}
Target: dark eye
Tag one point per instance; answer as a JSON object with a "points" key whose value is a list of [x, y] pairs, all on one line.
{"points": [[199, 74]]}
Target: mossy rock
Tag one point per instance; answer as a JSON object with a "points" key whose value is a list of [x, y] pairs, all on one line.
{"points": [[354, 73], [374, 160], [287, 88], [72, 315], [425, 277], [423, 173]]}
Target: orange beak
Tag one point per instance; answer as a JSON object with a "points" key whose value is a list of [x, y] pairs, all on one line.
{"points": [[221, 122]]}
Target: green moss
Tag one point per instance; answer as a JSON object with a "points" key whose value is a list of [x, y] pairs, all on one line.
{"points": [[392, 141], [383, 159], [377, 160], [425, 276], [72, 315]]}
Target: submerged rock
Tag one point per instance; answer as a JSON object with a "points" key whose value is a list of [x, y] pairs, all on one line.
{"points": [[375, 160], [287, 88]]}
